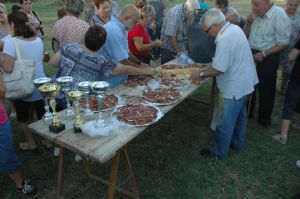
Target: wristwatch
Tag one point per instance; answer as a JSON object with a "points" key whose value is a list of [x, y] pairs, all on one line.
{"points": [[202, 75]]}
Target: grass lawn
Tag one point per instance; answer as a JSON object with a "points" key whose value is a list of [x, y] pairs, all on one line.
{"points": [[166, 158]]}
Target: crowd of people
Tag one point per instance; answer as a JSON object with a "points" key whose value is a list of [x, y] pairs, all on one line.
{"points": [[113, 43]]}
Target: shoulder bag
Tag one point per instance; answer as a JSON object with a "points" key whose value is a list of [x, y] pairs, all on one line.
{"points": [[19, 83]]}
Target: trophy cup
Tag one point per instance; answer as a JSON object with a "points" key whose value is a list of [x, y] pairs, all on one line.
{"points": [[50, 91], [38, 82], [66, 82], [85, 88], [100, 87], [75, 97]]}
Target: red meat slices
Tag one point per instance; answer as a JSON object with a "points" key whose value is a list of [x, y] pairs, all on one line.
{"points": [[109, 101], [137, 114], [140, 80], [171, 66], [161, 95]]}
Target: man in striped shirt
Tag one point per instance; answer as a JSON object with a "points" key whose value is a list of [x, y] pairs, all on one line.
{"points": [[269, 30]]}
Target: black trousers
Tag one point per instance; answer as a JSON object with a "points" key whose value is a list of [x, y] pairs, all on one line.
{"points": [[267, 74]]}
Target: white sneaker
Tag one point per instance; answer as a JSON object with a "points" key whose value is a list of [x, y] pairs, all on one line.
{"points": [[78, 158], [298, 163], [13, 115], [56, 151]]}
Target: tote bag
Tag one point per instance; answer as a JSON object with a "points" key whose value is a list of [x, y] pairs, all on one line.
{"points": [[19, 83]]}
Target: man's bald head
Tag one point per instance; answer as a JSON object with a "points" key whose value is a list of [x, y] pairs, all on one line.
{"points": [[129, 16]]}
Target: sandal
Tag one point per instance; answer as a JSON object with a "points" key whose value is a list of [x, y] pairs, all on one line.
{"points": [[25, 146], [47, 144]]}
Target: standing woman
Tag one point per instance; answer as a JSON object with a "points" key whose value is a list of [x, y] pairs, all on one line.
{"points": [[31, 48], [138, 38], [34, 19], [103, 15]]}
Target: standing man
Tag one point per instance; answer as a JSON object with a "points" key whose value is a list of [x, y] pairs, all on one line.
{"points": [[174, 30], [116, 45], [234, 69], [269, 32]]}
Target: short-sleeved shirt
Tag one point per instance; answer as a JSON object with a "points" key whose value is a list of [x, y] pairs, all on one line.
{"points": [[32, 50], [272, 29], [295, 75], [234, 59], [116, 47], [175, 26], [138, 31], [3, 115], [70, 29], [75, 62], [159, 7]]}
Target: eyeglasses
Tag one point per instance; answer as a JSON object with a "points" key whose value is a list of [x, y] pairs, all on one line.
{"points": [[208, 29]]}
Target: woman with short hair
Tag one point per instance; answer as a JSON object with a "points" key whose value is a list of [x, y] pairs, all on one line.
{"points": [[83, 62], [31, 48], [138, 38], [103, 16]]}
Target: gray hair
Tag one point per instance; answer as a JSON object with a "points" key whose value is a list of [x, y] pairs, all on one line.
{"points": [[75, 7], [148, 11], [192, 5], [213, 16]]}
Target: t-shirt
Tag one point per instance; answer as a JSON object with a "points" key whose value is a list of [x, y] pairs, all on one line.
{"points": [[3, 115], [32, 50], [138, 31], [295, 75]]}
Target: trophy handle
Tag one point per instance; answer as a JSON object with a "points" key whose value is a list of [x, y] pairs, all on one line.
{"points": [[55, 120]]}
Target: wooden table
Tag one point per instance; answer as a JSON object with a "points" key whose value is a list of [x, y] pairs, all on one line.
{"points": [[112, 147]]}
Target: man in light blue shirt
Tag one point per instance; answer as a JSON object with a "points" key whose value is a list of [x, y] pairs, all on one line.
{"points": [[116, 45], [234, 68]]}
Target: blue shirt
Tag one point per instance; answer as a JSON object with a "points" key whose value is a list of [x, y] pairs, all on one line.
{"points": [[116, 47]]}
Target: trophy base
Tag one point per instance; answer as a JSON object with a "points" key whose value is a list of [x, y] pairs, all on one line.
{"points": [[57, 129], [77, 129]]}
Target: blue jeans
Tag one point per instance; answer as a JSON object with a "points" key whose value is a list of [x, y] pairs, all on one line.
{"points": [[231, 126], [9, 161]]}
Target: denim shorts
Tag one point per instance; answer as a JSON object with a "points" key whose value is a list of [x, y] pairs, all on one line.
{"points": [[291, 101], [9, 161]]}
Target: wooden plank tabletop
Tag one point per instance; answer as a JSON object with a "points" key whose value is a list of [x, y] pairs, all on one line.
{"points": [[103, 148]]}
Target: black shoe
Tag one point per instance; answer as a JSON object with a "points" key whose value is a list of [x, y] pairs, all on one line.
{"points": [[205, 152], [28, 189]]}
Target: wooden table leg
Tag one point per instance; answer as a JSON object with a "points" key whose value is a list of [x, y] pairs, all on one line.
{"points": [[60, 173], [113, 175], [131, 174]]}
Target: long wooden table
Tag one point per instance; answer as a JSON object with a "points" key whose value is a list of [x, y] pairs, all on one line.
{"points": [[112, 147]]}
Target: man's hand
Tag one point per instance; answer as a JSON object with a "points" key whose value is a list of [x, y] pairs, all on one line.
{"points": [[144, 65], [259, 57]]}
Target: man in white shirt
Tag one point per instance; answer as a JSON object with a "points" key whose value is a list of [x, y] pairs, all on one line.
{"points": [[234, 69], [269, 30]]}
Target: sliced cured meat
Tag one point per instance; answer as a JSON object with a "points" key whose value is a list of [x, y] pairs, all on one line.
{"points": [[161, 96], [172, 81], [171, 66], [137, 114], [109, 101], [140, 80]]}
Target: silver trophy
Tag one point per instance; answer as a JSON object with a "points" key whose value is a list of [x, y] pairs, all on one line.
{"points": [[85, 88], [100, 88], [39, 82], [65, 83]]}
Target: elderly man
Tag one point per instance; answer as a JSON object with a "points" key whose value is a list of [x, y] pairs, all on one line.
{"points": [[70, 29], [234, 69], [116, 45], [269, 32], [174, 30]]}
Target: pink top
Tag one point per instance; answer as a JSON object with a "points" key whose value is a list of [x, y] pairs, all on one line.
{"points": [[3, 115], [69, 29]]}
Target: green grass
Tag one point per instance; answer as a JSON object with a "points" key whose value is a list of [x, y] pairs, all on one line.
{"points": [[166, 159]]}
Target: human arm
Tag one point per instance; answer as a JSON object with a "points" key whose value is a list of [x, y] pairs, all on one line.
{"points": [[134, 61], [55, 60], [261, 55], [131, 70], [2, 88], [206, 71], [140, 46], [249, 21]]}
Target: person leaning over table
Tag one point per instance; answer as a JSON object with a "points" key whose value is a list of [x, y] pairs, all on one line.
{"points": [[9, 161], [234, 69], [174, 30], [83, 62], [31, 48], [138, 38], [269, 29], [116, 45]]}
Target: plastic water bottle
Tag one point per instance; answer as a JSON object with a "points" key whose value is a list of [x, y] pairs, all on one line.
{"points": [[183, 58]]}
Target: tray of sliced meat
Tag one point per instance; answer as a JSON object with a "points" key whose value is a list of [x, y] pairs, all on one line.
{"points": [[110, 101], [161, 96], [139, 80], [137, 114], [174, 82]]}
